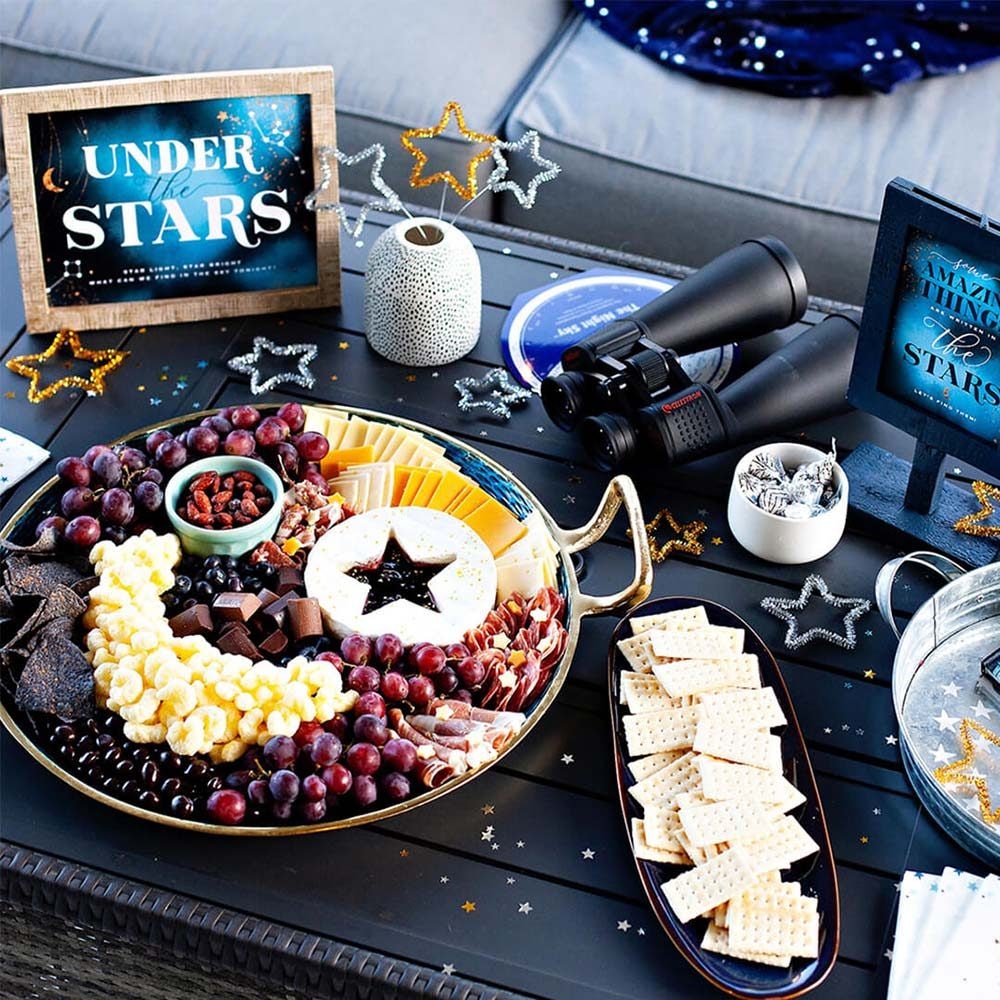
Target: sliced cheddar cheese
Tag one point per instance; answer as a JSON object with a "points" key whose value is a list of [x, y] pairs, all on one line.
{"points": [[430, 483], [340, 458], [413, 484], [475, 499], [401, 475], [495, 525], [452, 483]]}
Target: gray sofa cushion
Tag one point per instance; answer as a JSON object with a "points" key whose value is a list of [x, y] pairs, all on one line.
{"points": [[659, 163], [396, 62]]}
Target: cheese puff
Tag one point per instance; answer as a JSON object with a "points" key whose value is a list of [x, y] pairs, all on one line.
{"points": [[226, 690], [302, 707], [100, 552], [281, 722], [250, 724], [138, 733], [102, 656], [187, 738], [95, 640], [179, 696], [142, 711], [145, 639], [245, 701], [230, 751], [126, 686], [103, 674], [328, 703], [214, 721]]}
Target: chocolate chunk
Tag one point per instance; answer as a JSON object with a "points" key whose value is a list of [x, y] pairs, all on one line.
{"points": [[274, 644], [266, 597], [57, 680], [277, 610], [305, 620], [196, 620], [289, 578], [229, 626], [236, 607], [238, 641]]}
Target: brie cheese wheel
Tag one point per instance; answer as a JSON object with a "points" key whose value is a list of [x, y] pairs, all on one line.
{"points": [[464, 590]]}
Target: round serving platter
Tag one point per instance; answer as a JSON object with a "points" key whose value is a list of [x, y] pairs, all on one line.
{"points": [[487, 474]]}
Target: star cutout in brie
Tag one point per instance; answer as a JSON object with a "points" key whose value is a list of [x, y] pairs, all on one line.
{"points": [[783, 608], [397, 577], [249, 364], [946, 721], [389, 202], [549, 169], [494, 394]]}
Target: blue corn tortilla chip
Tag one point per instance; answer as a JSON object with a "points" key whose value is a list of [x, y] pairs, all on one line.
{"points": [[56, 680]]}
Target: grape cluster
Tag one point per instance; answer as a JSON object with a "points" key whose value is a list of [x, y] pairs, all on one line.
{"points": [[114, 492]]}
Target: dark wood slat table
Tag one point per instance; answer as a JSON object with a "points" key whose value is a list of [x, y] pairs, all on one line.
{"points": [[380, 908]]}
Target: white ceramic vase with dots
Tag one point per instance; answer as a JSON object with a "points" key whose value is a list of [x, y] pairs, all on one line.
{"points": [[423, 293]]}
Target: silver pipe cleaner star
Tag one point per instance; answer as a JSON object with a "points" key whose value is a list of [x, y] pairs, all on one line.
{"points": [[496, 182], [782, 608], [497, 393], [249, 364], [389, 202]]}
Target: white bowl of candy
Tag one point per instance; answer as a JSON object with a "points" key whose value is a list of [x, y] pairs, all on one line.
{"points": [[788, 503]]}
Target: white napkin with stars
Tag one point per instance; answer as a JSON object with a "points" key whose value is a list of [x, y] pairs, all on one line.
{"points": [[19, 457]]}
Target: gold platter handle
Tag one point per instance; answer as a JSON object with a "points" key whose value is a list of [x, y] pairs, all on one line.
{"points": [[621, 490]]}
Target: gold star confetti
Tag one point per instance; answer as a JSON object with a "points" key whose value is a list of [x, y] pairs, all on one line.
{"points": [[411, 377], [222, 116], [10, 395], [108, 360], [984, 493], [164, 376], [863, 839], [142, 329], [343, 345], [469, 189], [488, 809], [869, 675], [333, 378], [404, 853], [469, 906], [717, 540], [955, 773], [687, 542]]}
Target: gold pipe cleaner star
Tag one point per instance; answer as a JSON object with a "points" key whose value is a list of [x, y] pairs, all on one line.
{"points": [[686, 542], [984, 492], [470, 188], [109, 359], [953, 773]]}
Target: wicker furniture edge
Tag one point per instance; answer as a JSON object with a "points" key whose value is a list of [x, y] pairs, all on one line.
{"points": [[190, 929]]}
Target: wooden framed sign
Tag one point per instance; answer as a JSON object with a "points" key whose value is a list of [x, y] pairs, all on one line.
{"points": [[162, 199]]}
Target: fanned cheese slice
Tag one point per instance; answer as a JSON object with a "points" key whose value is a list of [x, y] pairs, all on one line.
{"points": [[427, 488], [496, 526], [338, 459]]}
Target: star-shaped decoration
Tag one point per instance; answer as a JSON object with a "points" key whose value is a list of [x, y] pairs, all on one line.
{"points": [[105, 361], [863, 839], [567, 758], [981, 711], [587, 854], [716, 540], [888, 953], [404, 853], [397, 577], [448, 969], [525, 908], [388, 202], [686, 540], [783, 608], [941, 756], [488, 809], [494, 394], [946, 721], [155, 400], [876, 811], [334, 378], [511, 880], [624, 925], [411, 377], [203, 363], [343, 345], [520, 843], [891, 740], [845, 727], [827, 729], [444, 880], [548, 168], [468, 190], [869, 675], [495, 846], [487, 834], [969, 525], [249, 364], [469, 906], [950, 690], [569, 499], [10, 395]]}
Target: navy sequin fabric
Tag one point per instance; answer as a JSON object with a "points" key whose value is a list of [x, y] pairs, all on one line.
{"points": [[806, 49]]}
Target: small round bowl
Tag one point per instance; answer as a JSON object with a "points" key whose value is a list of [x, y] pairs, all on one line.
{"points": [[781, 539], [225, 541]]}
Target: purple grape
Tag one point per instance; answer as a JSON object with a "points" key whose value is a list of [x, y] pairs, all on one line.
{"points": [[148, 496], [446, 680], [244, 417], [339, 725], [280, 752], [394, 686], [226, 806], [400, 755], [151, 476], [55, 522], [396, 786], [258, 792], [337, 779], [75, 471], [108, 468], [365, 790], [370, 703], [369, 729], [470, 671], [313, 788], [219, 424], [326, 750], [313, 812], [114, 533], [294, 415], [156, 439], [287, 459], [357, 649], [363, 679], [117, 506], [284, 786], [271, 431], [363, 758], [389, 650], [203, 440], [239, 442], [90, 455], [312, 446], [83, 531], [421, 689], [281, 810], [171, 455], [132, 459], [463, 695], [316, 478], [239, 779], [76, 500]]}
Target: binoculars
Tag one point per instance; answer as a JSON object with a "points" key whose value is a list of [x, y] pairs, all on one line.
{"points": [[625, 388]]}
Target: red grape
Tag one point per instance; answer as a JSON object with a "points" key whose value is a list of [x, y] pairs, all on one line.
{"points": [[279, 752], [394, 686], [317, 479], [74, 471], [151, 476], [271, 431], [239, 442], [114, 533], [326, 749], [363, 678], [411, 656], [294, 415], [462, 694], [76, 500], [363, 758], [313, 788], [389, 649], [365, 790], [396, 786], [337, 778], [312, 446], [307, 733], [357, 649], [313, 812], [329, 656], [219, 424], [370, 703], [203, 440], [421, 690], [108, 468], [57, 523], [171, 455], [284, 785], [156, 439], [258, 792], [227, 806], [148, 496], [288, 460], [117, 506], [429, 659], [132, 459], [400, 755], [370, 729], [282, 810], [339, 725], [244, 417], [446, 680], [83, 531], [470, 671], [90, 455], [456, 650]]}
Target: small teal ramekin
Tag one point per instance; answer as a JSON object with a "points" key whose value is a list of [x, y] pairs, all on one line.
{"points": [[225, 541]]}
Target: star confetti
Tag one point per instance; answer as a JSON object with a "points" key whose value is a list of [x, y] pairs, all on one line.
{"points": [[466, 191], [958, 771], [525, 908], [448, 969], [783, 608], [687, 540], [388, 202], [969, 525], [29, 366], [469, 906], [249, 364], [549, 169], [494, 393]]}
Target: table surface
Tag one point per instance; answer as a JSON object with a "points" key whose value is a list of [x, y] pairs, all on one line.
{"points": [[522, 879]]}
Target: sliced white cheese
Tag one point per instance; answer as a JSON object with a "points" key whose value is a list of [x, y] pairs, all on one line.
{"points": [[525, 578]]}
